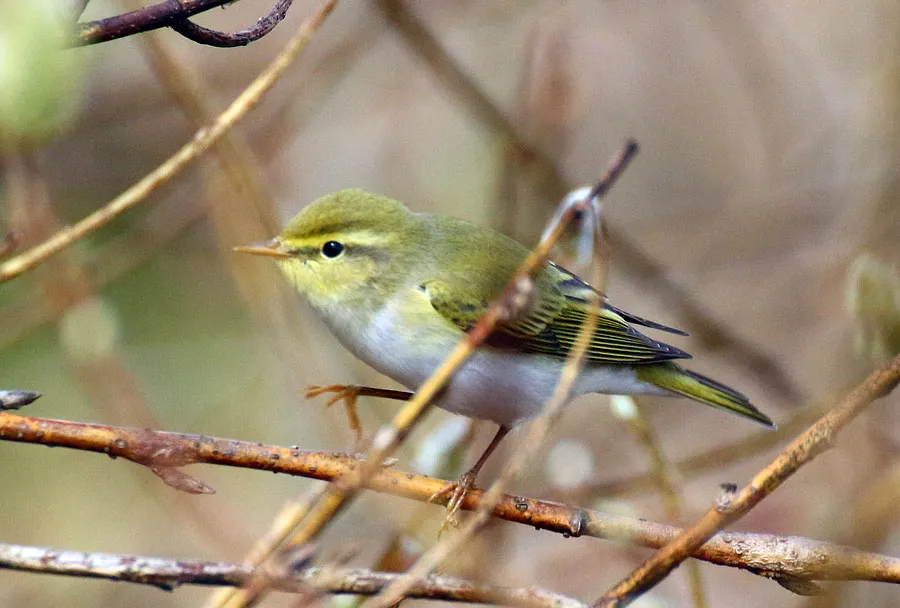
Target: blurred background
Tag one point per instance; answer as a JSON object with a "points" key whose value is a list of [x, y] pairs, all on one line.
{"points": [[761, 216]]}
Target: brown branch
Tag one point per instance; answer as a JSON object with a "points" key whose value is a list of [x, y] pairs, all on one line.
{"points": [[210, 37], [174, 14], [199, 144], [706, 330], [169, 574], [145, 19], [770, 555], [816, 440]]}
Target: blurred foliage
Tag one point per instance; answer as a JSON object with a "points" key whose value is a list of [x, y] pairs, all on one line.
{"points": [[39, 77], [873, 298]]}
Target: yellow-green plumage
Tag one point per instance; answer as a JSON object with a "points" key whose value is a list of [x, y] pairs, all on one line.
{"points": [[405, 286]]}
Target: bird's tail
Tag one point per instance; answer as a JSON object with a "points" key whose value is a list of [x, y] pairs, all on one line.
{"points": [[672, 378]]}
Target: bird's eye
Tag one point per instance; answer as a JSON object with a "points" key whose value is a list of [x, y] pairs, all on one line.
{"points": [[332, 249]]}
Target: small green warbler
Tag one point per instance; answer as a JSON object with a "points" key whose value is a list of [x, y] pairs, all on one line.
{"points": [[398, 289]]}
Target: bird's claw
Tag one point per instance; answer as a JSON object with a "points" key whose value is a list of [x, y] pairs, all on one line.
{"points": [[348, 393], [456, 493]]}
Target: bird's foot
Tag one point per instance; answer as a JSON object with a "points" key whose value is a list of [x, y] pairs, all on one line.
{"points": [[455, 494], [348, 393]]}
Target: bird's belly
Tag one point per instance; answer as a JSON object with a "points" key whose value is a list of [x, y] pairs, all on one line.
{"points": [[504, 386]]}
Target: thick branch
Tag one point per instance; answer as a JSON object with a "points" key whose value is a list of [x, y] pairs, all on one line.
{"points": [[774, 556], [171, 573]]}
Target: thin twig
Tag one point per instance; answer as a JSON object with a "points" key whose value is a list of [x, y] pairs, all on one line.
{"points": [[816, 440], [210, 37], [767, 554], [169, 574], [200, 143], [705, 328]]}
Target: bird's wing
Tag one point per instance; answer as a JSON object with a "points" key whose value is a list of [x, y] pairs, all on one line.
{"points": [[550, 323]]}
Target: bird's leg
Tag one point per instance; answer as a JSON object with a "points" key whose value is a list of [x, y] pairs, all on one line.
{"points": [[348, 393], [458, 490]]}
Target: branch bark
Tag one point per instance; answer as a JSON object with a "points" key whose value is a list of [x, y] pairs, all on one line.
{"points": [[169, 574]]}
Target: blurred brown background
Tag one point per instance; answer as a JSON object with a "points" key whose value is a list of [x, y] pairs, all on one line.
{"points": [[770, 136]]}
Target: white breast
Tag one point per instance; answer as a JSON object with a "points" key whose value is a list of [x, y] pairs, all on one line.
{"points": [[497, 385]]}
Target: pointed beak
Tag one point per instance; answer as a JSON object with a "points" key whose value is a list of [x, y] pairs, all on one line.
{"points": [[270, 249]]}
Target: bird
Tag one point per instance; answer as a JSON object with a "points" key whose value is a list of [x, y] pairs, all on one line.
{"points": [[399, 289]]}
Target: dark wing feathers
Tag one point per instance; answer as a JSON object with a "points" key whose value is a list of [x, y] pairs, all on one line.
{"points": [[644, 322], [577, 290], [551, 325]]}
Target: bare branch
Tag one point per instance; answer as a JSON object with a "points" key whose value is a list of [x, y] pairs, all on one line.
{"points": [[174, 14], [767, 554], [209, 37], [816, 440], [168, 574], [145, 19]]}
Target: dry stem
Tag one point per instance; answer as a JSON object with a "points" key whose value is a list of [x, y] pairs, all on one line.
{"points": [[665, 477]]}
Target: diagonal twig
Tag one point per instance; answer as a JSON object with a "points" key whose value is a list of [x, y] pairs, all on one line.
{"points": [[816, 440]]}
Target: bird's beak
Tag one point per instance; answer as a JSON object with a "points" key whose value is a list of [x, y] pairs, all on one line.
{"points": [[271, 249]]}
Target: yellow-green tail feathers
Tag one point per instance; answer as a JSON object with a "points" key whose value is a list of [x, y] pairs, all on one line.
{"points": [[702, 389]]}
